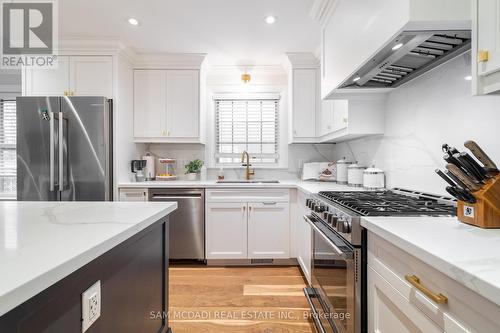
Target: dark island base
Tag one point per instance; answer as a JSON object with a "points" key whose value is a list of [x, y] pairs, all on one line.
{"points": [[134, 291]]}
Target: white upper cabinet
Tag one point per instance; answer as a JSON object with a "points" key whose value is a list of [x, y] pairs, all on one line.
{"points": [[349, 119], [354, 31], [149, 103], [486, 48], [183, 103], [167, 106], [304, 101], [74, 76], [47, 82], [91, 76]]}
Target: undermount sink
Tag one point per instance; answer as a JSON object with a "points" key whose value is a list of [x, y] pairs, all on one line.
{"points": [[251, 181]]}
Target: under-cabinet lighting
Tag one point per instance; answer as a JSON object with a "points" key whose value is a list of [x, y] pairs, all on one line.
{"points": [[270, 19], [397, 46], [133, 21]]}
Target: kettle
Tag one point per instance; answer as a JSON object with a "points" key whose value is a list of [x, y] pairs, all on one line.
{"points": [[137, 167]]}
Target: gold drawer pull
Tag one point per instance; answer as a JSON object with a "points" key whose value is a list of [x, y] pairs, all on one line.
{"points": [[415, 281], [483, 56]]}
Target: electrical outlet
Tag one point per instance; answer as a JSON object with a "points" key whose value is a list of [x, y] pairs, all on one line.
{"points": [[91, 305]]}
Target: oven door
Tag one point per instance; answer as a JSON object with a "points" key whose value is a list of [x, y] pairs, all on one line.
{"points": [[333, 292]]}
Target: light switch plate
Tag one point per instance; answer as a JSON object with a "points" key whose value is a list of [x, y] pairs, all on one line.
{"points": [[91, 305]]}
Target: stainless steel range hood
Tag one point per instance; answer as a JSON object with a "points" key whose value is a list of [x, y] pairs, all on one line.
{"points": [[408, 56]]}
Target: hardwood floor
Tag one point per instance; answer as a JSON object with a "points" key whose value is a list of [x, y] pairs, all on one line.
{"points": [[238, 299]]}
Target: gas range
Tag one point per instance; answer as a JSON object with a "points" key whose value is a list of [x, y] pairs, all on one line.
{"points": [[337, 294], [341, 211]]}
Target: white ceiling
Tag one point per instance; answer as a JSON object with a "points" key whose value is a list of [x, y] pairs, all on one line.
{"points": [[232, 32]]}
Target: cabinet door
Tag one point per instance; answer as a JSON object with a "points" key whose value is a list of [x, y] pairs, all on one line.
{"points": [[134, 194], [183, 103], [226, 230], [47, 82], [149, 103], [268, 230], [305, 96], [389, 311], [91, 76], [326, 119], [340, 114]]}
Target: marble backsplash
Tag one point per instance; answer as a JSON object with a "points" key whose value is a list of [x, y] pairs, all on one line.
{"points": [[420, 117]]}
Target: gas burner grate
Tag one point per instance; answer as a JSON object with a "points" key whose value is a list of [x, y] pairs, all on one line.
{"points": [[388, 203]]}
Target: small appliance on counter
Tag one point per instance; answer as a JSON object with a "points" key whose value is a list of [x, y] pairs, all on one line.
{"points": [[342, 166], [167, 170], [474, 183], [373, 179], [355, 175], [137, 168], [149, 170]]}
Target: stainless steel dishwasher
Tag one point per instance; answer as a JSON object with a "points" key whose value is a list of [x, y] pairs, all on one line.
{"points": [[187, 223]]}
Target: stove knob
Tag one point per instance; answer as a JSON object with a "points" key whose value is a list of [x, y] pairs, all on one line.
{"points": [[312, 205], [342, 225], [347, 227], [308, 202], [333, 220], [327, 216], [319, 208]]}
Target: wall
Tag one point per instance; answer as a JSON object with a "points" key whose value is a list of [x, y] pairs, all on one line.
{"points": [[226, 79], [420, 117]]}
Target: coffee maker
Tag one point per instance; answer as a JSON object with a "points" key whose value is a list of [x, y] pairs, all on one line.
{"points": [[137, 167]]}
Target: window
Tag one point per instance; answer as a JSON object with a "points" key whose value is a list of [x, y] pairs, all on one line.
{"points": [[7, 147], [246, 125]]}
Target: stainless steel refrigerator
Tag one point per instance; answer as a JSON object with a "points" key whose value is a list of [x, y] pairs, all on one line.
{"points": [[64, 149]]}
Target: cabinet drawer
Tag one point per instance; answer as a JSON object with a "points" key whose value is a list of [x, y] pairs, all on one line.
{"points": [[133, 194], [262, 195], [465, 311], [390, 311]]}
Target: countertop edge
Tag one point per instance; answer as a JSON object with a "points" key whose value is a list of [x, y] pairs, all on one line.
{"points": [[23, 293], [469, 280]]}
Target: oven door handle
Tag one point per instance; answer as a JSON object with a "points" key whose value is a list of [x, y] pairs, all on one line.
{"points": [[339, 252], [315, 314]]}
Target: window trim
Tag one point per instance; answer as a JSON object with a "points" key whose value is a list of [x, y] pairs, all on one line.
{"points": [[248, 97]]}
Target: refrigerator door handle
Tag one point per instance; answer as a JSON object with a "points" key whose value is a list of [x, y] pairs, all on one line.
{"points": [[51, 152], [61, 157]]}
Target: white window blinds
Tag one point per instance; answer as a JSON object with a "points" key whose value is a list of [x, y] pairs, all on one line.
{"points": [[7, 147], [246, 124]]}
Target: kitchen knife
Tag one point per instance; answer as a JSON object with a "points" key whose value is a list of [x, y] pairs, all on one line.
{"points": [[452, 160], [475, 171], [461, 194], [445, 177], [456, 180], [449, 150], [463, 177], [481, 155]]}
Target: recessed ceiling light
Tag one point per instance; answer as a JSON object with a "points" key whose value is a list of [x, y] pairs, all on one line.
{"points": [[133, 21], [356, 79], [397, 46], [270, 19], [468, 78]]}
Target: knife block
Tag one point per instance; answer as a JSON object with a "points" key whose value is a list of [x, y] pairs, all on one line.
{"points": [[485, 213]]}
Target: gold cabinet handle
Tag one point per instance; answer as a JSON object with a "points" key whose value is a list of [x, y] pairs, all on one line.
{"points": [[415, 281], [483, 55]]}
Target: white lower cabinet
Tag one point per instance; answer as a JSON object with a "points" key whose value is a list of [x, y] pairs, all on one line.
{"points": [[268, 230], [226, 230], [303, 237], [247, 224], [397, 305], [133, 194]]}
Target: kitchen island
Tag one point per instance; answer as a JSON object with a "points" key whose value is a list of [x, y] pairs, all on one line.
{"points": [[51, 252]]}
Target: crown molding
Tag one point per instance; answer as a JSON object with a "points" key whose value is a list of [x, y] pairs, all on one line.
{"points": [[301, 60], [169, 60], [321, 10]]}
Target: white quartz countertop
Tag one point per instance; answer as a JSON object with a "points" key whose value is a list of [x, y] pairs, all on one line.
{"points": [[306, 186], [43, 242], [465, 253]]}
